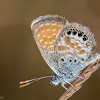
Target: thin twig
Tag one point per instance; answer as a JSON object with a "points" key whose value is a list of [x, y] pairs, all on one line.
{"points": [[78, 82]]}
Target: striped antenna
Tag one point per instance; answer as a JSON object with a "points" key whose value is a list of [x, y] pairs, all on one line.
{"points": [[28, 82]]}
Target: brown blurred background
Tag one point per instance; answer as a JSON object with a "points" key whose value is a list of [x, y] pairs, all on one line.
{"points": [[20, 58]]}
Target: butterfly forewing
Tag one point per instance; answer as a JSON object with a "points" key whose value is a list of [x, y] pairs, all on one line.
{"points": [[45, 30]]}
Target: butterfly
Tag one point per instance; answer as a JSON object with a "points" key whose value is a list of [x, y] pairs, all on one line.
{"points": [[66, 47]]}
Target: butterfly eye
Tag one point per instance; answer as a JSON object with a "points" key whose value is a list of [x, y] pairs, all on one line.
{"points": [[55, 77]]}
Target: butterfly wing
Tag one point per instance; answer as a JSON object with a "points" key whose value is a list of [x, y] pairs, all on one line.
{"points": [[75, 44], [45, 30]]}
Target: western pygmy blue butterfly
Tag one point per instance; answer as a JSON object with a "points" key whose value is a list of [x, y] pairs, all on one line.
{"points": [[66, 47]]}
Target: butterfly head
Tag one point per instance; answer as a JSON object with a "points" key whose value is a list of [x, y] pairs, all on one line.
{"points": [[55, 79]]}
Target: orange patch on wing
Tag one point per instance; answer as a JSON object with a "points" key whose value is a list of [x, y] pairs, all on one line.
{"points": [[76, 44], [63, 48], [81, 51], [72, 45], [78, 47], [70, 53], [68, 40], [47, 34]]}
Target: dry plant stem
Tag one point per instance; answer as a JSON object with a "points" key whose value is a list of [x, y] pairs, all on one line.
{"points": [[78, 82]]}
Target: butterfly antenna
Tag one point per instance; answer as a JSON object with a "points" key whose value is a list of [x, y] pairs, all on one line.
{"points": [[28, 82]]}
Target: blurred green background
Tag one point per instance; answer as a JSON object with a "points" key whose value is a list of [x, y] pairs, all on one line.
{"points": [[20, 58]]}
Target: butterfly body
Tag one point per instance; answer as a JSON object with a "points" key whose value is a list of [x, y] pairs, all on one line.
{"points": [[66, 47]]}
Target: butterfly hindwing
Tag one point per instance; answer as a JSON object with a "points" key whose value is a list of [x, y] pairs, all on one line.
{"points": [[75, 43]]}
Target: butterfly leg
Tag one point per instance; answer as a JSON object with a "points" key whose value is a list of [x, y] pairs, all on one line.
{"points": [[71, 85], [77, 76], [63, 85], [80, 77]]}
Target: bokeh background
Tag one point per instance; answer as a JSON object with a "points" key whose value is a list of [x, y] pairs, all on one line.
{"points": [[20, 58]]}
